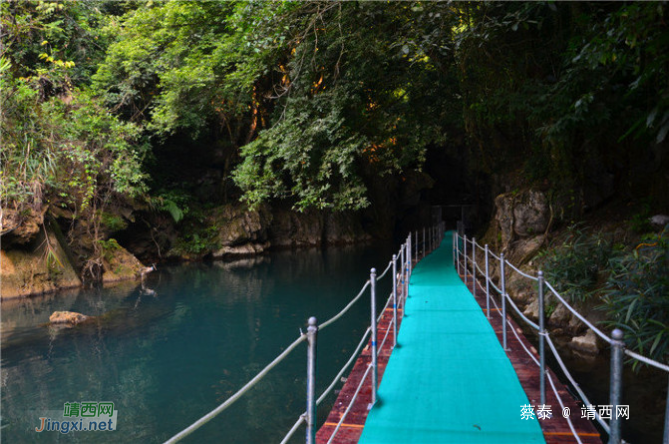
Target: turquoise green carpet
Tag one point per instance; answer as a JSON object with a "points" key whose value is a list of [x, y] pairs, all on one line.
{"points": [[449, 381]]}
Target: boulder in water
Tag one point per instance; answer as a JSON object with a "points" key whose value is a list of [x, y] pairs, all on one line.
{"points": [[67, 318]]}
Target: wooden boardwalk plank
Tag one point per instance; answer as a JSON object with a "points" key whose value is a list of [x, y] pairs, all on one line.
{"points": [[351, 428]]}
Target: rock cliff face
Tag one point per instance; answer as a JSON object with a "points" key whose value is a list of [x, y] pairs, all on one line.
{"points": [[36, 259], [119, 265], [518, 229], [313, 228], [522, 219], [240, 231], [38, 263]]}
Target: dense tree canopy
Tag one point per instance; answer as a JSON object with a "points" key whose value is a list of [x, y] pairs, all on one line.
{"points": [[310, 101]]}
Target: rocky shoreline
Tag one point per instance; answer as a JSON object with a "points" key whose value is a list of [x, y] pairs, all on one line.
{"points": [[37, 259]]}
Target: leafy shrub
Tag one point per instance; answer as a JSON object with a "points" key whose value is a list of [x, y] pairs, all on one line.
{"points": [[637, 298], [175, 202], [112, 221], [574, 268], [109, 248]]}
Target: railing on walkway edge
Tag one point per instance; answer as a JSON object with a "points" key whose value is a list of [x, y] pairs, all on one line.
{"points": [[464, 251], [408, 254]]}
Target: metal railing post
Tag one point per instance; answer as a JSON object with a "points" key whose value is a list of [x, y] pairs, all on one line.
{"points": [[429, 238], [504, 295], [474, 267], [434, 238], [403, 269], [375, 373], [395, 300], [665, 439], [457, 251], [465, 258], [312, 335], [487, 283], [409, 262], [424, 244], [617, 346], [453, 239], [402, 272], [542, 341], [407, 269], [416, 238]]}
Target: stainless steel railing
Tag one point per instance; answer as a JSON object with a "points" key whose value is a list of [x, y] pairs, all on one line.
{"points": [[465, 255], [405, 259]]}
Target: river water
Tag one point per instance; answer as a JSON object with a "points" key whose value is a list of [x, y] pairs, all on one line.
{"points": [[168, 353]]}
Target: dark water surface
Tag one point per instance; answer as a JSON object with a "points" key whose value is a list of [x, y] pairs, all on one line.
{"points": [[167, 359]]}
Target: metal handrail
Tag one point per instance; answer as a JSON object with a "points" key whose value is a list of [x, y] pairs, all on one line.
{"points": [[385, 271], [293, 429], [525, 318], [497, 289], [560, 362], [578, 315], [566, 371], [646, 360], [571, 379], [513, 330], [336, 317], [602, 335], [618, 347], [559, 398], [520, 272], [249, 385], [343, 369]]}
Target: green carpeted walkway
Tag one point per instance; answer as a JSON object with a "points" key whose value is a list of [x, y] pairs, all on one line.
{"points": [[449, 381]]}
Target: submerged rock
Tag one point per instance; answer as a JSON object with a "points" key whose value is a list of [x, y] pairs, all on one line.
{"points": [[70, 318], [586, 344]]}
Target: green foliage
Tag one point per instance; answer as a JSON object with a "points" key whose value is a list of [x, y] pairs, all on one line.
{"points": [[577, 267], [176, 202], [563, 87], [53, 44], [113, 222], [640, 222], [109, 248], [356, 107], [180, 65], [637, 298], [59, 145], [69, 153], [197, 239]]}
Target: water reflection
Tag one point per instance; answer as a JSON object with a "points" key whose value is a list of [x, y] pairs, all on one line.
{"points": [[169, 349]]}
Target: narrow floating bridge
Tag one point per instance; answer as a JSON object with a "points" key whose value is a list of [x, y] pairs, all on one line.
{"points": [[448, 380]]}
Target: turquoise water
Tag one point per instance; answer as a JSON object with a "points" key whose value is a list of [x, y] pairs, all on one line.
{"points": [[165, 359]]}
